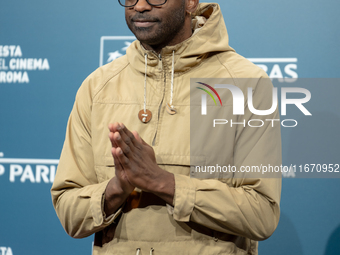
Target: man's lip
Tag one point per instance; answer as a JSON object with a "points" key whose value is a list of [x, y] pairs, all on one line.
{"points": [[143, 23], [142, 20]]}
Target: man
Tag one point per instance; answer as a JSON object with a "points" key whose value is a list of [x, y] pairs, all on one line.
{"points": [[133, 189]]}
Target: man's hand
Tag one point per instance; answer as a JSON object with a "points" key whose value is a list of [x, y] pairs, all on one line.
{"points": [[137, 158], [119, 187], [120, 173], [137, 163]]}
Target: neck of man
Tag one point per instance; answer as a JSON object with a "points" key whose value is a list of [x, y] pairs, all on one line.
{"points": [[181, 36]]}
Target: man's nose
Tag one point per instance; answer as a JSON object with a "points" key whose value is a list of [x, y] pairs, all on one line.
{"points": [[142, 5]]}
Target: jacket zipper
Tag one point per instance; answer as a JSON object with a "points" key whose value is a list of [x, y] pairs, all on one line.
{"points": [[160, 67]]}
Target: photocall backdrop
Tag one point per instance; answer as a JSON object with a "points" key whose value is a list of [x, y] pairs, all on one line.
{"points": [[47, 48]]}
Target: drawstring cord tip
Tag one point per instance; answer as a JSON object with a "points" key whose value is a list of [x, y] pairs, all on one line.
{"points": [[138, 251], [170, 109]]}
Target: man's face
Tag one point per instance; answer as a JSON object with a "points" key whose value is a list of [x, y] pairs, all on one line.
{"points": [[156, 25]]}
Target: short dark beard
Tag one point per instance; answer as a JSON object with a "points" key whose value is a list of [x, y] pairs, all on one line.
{"points": [[166, 32]]}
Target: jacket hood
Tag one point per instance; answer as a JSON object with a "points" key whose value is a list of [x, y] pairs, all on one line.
{"points": [[210, 35]]}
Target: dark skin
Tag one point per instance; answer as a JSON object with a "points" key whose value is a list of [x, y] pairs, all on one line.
{"points": [[159, 26], [135, 162]]}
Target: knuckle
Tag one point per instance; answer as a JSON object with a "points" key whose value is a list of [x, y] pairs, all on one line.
{"points": [[126, 150], [138, 155], [131, 136], [126, 161], [127, 140]]}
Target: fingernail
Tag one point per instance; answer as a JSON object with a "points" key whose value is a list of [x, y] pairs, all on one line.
{"points": [[122, 125], [118, 137]]}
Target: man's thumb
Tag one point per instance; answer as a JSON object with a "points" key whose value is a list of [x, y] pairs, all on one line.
{"points": [[138, 138]]}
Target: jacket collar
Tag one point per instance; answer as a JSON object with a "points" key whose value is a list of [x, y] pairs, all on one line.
{"points": [[212, 37]]}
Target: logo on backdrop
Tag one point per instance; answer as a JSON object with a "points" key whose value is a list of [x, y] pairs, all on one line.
{"points": [[28, 170], [283, 69], [14, 67], [6, 251], [113, 47]]}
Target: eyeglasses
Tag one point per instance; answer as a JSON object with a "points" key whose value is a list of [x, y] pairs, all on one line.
{"points": [[131, 3]]}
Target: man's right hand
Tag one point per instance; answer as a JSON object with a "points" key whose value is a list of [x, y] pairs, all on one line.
{"points": [[119, 187]]}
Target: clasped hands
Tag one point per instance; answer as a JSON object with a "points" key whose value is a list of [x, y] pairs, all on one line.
{"points": [[135, 161], [135, 166]]}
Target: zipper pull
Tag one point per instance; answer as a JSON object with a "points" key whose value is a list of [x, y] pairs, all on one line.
{"points": [[160, 65]]}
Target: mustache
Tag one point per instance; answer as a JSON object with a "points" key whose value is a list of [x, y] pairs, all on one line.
{"points": [[143, 17]]}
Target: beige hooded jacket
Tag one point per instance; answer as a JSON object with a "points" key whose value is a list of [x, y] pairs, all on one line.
{"points": [[210, 216]]}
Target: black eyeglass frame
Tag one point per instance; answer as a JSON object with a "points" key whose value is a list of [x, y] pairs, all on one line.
{"points": [[137, 2]]}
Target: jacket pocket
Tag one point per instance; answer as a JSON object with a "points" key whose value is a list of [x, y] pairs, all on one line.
{"points": [[193, 166]]}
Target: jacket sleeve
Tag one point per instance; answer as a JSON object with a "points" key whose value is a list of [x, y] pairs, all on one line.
{"points": [[76, 194], [249, 207]]}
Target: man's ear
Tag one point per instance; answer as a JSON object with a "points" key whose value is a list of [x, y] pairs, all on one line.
{"points": [[191, 5]]}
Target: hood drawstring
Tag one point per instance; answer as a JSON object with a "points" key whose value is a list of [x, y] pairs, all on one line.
{"points": [[146, 69], [139, 249], [145, 115], [170, 108]]}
